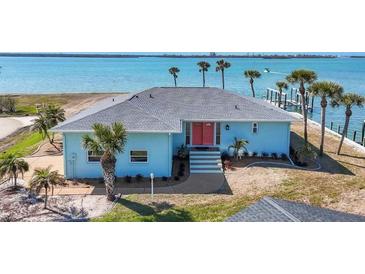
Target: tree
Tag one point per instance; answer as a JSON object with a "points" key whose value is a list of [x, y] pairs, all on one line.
{"points": [[108, 141], [222, 66], [7, 104], [48, 117], [174, 71], [281, 85], [302, 77], [45, 178], [11, 166], [237, 145], [203, 68], [325, 89], [348, 100], [252, 74]]}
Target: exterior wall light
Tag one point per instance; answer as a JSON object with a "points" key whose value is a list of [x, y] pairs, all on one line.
{"points": [[227, 127]]}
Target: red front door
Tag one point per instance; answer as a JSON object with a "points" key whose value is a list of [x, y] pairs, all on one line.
{"points": [[203, 133]]}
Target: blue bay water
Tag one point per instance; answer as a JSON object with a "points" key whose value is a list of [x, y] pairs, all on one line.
{"points": [[32, 75]]}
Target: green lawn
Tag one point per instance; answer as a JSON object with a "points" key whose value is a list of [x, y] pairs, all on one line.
{"points": [[129, 210], [26, 143]]}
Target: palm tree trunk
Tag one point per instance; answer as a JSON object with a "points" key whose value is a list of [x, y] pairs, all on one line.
{"points": [[304, 112], [175, 81], [223, 78], [253, 90], [51, 140], [15, 179], [323, 124], [345, 128], [108, 165], [46, 197], [203, 78]]}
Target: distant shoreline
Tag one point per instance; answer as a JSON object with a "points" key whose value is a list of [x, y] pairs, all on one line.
{"points": [[101, 55]]}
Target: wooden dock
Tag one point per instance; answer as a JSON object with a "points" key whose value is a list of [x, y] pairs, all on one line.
{"points": [[293, 99]]}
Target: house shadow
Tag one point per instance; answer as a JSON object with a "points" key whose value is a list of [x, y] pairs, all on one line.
{"points": [[158, 212], [328, 164], [225, 188]]}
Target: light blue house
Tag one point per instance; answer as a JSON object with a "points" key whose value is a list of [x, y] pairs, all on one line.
{"points": [[160, 120]]}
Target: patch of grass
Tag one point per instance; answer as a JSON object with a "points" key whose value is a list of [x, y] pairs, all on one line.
{"points": [[317, 191], [26, 110], [25, 144], [129, 210]]}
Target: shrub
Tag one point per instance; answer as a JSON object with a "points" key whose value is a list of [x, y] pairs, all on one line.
{"points": [[182, 165], [225, 156], [139, 177], [274, 155], [245, 154], [265, 155], [305, 154], [284, 156], [128, 179], [181, 173], [254, 154], [183, 152], [164, 178], [176, 178]]}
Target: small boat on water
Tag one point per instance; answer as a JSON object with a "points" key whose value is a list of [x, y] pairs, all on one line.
{"points": [[267, 70]]}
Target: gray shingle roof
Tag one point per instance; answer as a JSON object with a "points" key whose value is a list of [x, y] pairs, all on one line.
{"points": [[275, 210], [163, 109]]}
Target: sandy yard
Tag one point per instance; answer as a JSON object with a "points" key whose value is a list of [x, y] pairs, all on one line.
{"points": [[19, 205]]}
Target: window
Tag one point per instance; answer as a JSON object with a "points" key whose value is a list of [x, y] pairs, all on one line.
{"points": [[218, 133], [139, 156], [187, 133], [255, 127], [94, 157]]}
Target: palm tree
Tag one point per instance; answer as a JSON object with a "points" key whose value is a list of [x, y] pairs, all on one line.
{"points": [[12, 166], [324, 89], [45, 178], [348, 100], [221, 66], [49, 117], [252, 74], [55, 114], [281, 85], [203, 68], [302, 77], [108, 141], [174, 71], [41, 125], [237, 145]]}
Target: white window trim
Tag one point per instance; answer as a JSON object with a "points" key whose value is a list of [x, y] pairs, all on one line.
{"points": [[215, 134], [191, 134], [257, 127], [130, 156], [91, 162]]}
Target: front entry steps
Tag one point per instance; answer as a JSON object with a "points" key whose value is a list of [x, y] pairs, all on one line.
{"points": [[205, 161]]}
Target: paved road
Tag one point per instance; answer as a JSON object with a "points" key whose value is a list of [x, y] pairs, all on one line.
{"points": [[12, 124]]}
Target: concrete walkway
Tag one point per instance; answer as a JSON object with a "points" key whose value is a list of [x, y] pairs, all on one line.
{"points": [[195, 184]]}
